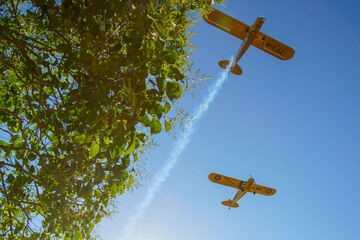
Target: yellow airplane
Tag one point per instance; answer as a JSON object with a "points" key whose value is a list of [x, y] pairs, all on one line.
{"points": [[249, 35], [243, 186]]}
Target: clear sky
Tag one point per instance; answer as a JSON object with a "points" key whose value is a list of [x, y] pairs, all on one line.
{"points": [[293, 125]]}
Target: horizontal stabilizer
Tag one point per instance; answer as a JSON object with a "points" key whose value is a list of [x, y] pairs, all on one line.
{"points": [[230, 203], [236, 69]]}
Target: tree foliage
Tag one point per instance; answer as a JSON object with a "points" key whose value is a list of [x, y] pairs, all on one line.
{"points": [[84, 86]]}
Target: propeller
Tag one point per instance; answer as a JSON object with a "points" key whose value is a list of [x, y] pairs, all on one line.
{"points": [[254, 181], [252, 177]]}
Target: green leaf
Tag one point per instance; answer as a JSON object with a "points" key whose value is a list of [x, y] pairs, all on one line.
{"points": [[125, 175], [31, 156], [16, 212], [106, 140], [172, 55], [125, 162], [117, 151], [121, 149], [145, 120], [10, 178], [141, 137], [131, 147], [131, 180], [20, 144], [162, 31], [167, 125], [77, 235], [113, 152], [173, 90], [99, 171], [80, 138], [159, 110], [19, 182], [155, 126], [175, 73], [160, 83], [13, 126], [3, 143], [83, 138], [113, 190], [135, 156], [167, 107], [94, 148], [117, 169]]}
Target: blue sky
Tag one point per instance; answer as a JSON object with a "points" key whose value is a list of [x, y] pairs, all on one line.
{"points": [[293, 125]]}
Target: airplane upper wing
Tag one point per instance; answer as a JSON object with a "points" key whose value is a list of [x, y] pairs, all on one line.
{"points": [[239, 30], [226, 23], [262, 190], [224, 180]]}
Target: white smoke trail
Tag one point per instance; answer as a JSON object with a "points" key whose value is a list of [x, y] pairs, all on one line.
{"points": [[170, 163]]}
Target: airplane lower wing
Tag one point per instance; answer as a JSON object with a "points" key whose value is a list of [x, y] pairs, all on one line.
{"points": [[226, 181], [273, 47], [254, 188], [239, 30]]}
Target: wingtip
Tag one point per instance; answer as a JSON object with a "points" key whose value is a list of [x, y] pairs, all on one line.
{"points": [[210, 176], [290, 55], [273, 191]]}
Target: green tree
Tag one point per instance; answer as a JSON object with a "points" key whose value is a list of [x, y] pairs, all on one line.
{"points": [[85, 84]]}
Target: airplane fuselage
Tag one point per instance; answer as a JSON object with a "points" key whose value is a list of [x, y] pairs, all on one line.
{"points": [[251, 34], [243, 189]]}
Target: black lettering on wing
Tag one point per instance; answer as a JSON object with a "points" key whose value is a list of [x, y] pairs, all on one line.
{"points": [[275, 48]]}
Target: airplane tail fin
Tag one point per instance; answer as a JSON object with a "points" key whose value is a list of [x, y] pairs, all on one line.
{"points": [[236, 69], [230, 203]]}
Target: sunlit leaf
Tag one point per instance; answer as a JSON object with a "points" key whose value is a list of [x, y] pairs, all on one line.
{"points": [[77, 235], [155, 126], [113, 190], [167, 125], [80, 138], [131, 179], [94, 148], [125, 175], [106, 140], [167, 107]]}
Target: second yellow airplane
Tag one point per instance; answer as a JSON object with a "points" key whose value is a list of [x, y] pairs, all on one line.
{"points": [[243, 186]]}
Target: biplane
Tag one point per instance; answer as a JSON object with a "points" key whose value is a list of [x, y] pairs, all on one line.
{"points": [[243, 186], [249, 35]]}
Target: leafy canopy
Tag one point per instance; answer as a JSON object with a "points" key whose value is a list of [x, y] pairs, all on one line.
{"points": [[84, 86]]}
